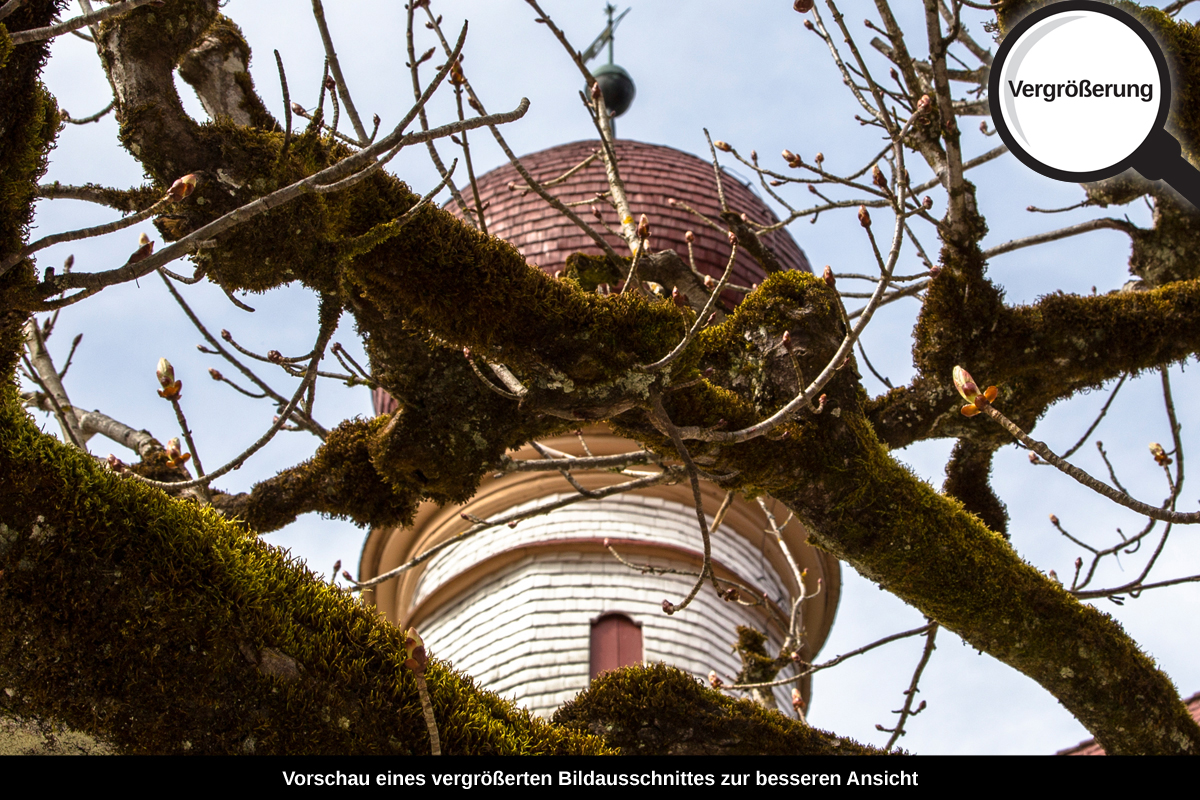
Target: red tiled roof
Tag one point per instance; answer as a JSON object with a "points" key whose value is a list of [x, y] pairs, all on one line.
{"points": [[1092, 748], [652, 174]]}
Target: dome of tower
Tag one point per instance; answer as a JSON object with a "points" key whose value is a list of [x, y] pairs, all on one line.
{"points": [[660, 182], [654, 175]]}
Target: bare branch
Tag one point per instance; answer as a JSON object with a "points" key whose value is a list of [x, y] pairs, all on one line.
{"points": [[911, 693], [51, 31], [43, 369], [1087, 480], [1062, 233]]}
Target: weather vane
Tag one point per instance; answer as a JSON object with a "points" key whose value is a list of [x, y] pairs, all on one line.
{"points": [[615, 83]]}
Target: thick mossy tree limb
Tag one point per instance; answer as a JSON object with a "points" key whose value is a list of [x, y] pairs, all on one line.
{"points": [[657, 711], [1088, 339], [159, 627]]}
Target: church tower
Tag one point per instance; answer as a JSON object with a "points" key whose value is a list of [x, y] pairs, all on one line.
{"points": [[535, 611]]}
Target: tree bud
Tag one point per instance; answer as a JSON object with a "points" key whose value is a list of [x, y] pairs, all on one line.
{"points": [[1053, 520], [275, 357], [877, 177], [145, 248], [299, 109], [808, 24], [802, 6], [722, 146], [797, 701], [182, 187], [714, 680], [216, 376], [926, 202], [1160, 455], [596, 91], [668, 607], [643, 228], [330, 83], [827, 275], [820, 159], [689, 237], [732, 238], [166, 377], [864, 217], [923, 103]]}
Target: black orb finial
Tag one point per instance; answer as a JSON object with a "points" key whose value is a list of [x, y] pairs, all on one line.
{"points": [[617, 88]]}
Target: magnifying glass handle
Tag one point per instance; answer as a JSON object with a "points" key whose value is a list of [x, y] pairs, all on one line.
{"points": [[1159, 158]]}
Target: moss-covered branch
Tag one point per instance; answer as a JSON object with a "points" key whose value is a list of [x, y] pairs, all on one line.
{"points": [[659, 711], [1039, 354], [161, 628]]}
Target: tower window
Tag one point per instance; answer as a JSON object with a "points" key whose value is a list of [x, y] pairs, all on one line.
{"points": [[616, 642]]}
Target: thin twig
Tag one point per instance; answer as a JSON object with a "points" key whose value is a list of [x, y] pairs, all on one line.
{"points": [[833, 662], [700, 320], [1121, 498], [328, 325], [42, 365], [414, 64], [287, 106], [1091, 429], [82, 233], [336, 68], [1062, 233], [911, 693], [93, 118], [93, 18]]}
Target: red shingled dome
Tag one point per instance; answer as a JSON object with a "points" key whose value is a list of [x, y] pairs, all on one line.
{"points": [[653, 174]]}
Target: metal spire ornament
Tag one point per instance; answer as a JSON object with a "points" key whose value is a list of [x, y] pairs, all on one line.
{"points": [[615, 84]]}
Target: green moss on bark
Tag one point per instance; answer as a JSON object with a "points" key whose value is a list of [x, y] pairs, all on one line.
{"points": [[161, 628], [658, 710]]}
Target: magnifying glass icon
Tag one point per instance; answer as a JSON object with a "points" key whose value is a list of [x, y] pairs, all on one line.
{"points": [[1080, 91]]}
